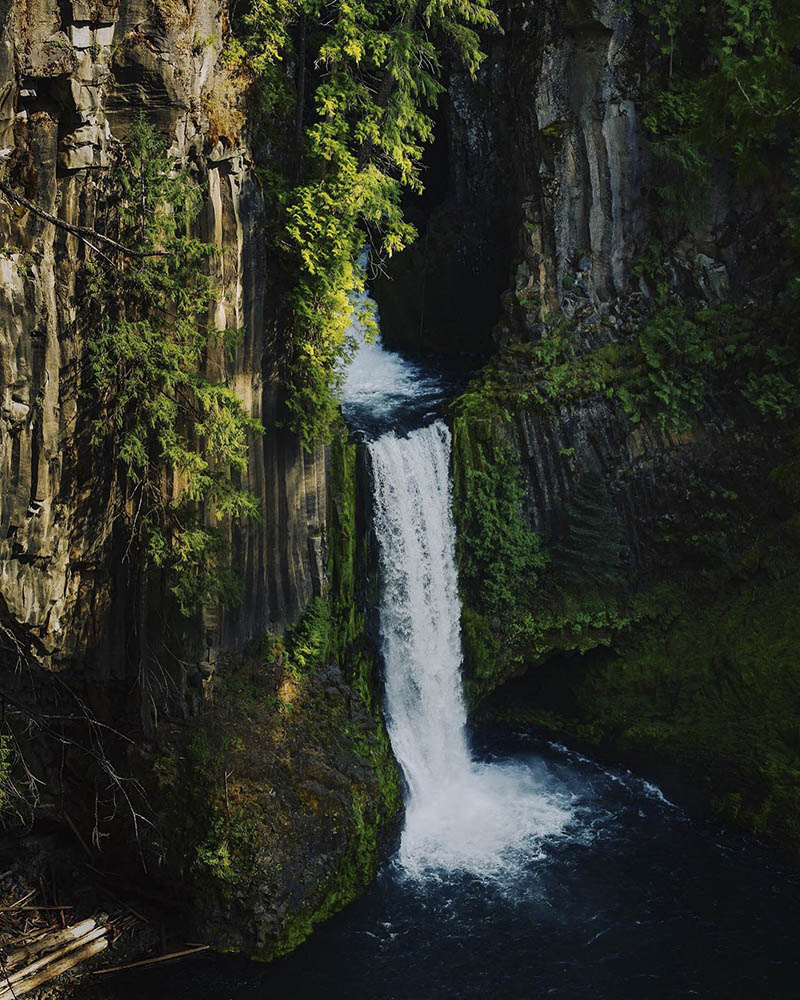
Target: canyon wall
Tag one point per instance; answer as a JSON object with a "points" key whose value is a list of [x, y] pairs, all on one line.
{"points": [[651, 660], [73, 78], [539, 210], [80, 636]]}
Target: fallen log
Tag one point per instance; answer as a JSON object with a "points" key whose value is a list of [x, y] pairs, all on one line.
{"points": [[55, 968], [10, 986], [49, 943]]}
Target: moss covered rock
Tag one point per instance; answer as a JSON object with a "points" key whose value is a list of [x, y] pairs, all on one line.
{"points": [[281, 800]]}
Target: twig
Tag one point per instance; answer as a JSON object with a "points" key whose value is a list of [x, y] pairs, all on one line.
{"points": [[765, 114], [31, 909], [21, 900], [122, 902], [81, 841], [151, 961]]}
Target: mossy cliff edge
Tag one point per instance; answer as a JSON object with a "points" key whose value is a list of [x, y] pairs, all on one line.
{"points": [[655, 620], [625, 466], [282, 798]]}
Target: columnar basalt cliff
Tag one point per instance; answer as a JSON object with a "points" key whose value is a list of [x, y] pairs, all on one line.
{"points": [[267, 773], [612, 402], [73, 78]]}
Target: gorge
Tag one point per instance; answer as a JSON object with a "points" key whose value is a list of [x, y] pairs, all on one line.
{"points": [[522, 866], [492, 621]]}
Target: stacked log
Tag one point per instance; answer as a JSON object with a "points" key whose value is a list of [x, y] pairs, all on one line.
{"points": [[47, 957]]}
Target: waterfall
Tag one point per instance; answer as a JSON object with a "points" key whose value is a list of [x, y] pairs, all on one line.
{"points": [[419, 607], [461, 814]]}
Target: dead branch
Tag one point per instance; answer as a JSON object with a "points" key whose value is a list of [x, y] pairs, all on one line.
{"points": [[148, 961], [83, 233]]}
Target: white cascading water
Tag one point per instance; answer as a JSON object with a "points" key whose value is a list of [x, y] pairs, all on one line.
{"points": [[462, 815]]}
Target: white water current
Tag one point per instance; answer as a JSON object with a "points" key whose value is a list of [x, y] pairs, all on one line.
{"points": [[462, 814]]}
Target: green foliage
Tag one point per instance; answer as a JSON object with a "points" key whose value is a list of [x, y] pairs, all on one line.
{"points": [[543, 374], [179, 438], [711, 688], [727, 86], [774, 387], [724, 86], [677, 361], [307, 642], [724, 91], [499, 556], [373, 70], [591, 551]]}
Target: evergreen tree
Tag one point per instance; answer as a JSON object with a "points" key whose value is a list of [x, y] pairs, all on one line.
{"points": [[178, 438], [591, 550], [374, 72]]}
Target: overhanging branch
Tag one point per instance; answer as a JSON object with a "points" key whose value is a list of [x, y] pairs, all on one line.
{"points": [[83, 233]]}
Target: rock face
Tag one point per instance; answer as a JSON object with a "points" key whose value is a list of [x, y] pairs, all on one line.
{"points": [[537, 208], [651, 661], [544, 171], [72, 76], [581, 184]]}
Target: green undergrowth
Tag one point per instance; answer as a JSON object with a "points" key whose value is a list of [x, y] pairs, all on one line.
{"points": [[704, 697], [689, 670], [284, 791], [525, 597], [661, 367]]}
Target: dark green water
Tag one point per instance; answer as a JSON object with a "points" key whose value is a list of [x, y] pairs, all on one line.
{"points": [[631, 902]]}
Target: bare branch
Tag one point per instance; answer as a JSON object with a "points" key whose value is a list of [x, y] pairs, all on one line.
{"points": [[81, 232]]}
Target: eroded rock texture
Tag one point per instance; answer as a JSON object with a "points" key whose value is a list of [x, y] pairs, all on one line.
{"points": [[96, 646], [72, 76]]}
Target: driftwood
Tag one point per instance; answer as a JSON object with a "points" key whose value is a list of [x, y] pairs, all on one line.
{"points": [[49, 942], [57, 963], [148, 961], [57, 952]]}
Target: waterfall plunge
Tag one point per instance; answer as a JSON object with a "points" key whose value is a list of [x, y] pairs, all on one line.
{"points": [[461, 814]]}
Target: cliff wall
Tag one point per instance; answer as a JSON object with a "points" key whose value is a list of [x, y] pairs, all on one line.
{"points": [[140, 694], [619, 420], [73, 78]]}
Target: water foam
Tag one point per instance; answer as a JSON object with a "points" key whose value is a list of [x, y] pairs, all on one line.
{"points": [[381, 388]]}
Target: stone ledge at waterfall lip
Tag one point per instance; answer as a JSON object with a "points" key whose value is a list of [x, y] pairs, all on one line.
{"points": [[401, 418], [372, 408]]}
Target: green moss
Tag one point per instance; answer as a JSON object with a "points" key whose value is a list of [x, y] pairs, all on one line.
{"points": [[690, 671], [705, 696], [499, 556], [347, 565], [281, 795]]}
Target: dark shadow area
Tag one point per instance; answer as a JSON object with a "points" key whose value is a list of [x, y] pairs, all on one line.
{"points": [[442, 295]]}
